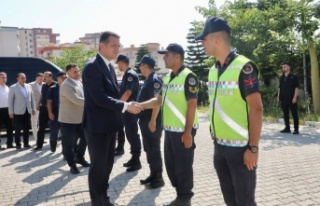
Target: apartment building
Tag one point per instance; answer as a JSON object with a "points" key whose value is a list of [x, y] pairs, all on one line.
{"points": [[9, 41]]}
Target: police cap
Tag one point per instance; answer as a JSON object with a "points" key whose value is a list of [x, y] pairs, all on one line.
{"points": [[176, 48], [214, 24], [122, 58], [147, 60]]}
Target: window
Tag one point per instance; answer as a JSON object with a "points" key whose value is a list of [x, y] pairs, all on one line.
{"points": [[30, 40], [31, 52]]}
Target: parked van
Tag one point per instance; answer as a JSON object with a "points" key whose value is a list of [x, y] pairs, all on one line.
{"points": [[28, 65]]}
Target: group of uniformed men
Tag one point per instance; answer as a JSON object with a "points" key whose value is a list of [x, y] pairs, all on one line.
{"points": [[235, 117]]}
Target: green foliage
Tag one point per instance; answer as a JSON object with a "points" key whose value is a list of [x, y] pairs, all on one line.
{"points": [[143, 50], [76, 55]]}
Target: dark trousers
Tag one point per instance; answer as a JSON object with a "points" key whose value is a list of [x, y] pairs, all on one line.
{"points": [[7, 121], [71, 133], [54, 125], [294, 111], [101, 151], [179, 163], [151, 144], [43, 123], [121, 135], [236, 181], [22, 122], [130, 122]]}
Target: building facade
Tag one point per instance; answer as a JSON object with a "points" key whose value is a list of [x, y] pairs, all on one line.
{"points": [[9, 41]]}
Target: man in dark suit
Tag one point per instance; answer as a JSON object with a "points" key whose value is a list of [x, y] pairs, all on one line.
{"points": [[102, 109]]}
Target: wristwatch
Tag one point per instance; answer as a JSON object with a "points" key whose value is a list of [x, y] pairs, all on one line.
{"points": [[253, 149]]}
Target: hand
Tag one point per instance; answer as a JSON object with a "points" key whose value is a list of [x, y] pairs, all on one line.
{"points": [[250, 159], [33, 112], [294, 100], [134, 108], [11, 116], [186, 139], [152, 125], [51, 116]]}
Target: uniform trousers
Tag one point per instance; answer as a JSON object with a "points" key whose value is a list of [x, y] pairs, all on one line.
{"points": [[151, 144], [121, 135], [43, 123], [130, 122], [179, 163], [236, 181], [7, 121], [285, 106], [54, 125], [101, 151], [22, 122]]}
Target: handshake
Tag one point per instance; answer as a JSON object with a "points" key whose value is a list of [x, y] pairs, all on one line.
{"points": [[134, 107]]}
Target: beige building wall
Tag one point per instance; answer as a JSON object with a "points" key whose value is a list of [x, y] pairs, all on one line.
{"points": [[27, 43], [9, 41]]}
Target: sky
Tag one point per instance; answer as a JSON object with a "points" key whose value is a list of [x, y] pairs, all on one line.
{"points": [[136, 21]]}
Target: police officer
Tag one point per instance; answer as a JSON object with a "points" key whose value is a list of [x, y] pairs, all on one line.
{"points": [[129, 90], [150, 122], [180, 122], [235, 114], [53, 110], [288, 95]]}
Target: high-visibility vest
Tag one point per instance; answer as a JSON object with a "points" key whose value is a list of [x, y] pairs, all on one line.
{"points": [[174, 103], [228, 110]]}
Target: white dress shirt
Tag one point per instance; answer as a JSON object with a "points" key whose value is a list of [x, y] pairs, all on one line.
{"points": [[4, 93]]}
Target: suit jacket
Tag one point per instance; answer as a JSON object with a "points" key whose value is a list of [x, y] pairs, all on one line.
{"points": [[18, 102], [102, 107], [36, 92], [71, 102]]}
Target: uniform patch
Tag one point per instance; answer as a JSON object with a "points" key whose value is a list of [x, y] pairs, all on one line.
{"points": [[250, 81], [130, 79], [193, 89], [192, 81], [247, 69], [156, 85]]}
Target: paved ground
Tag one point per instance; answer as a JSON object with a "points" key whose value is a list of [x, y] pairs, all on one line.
{"points": [[288, 174]]}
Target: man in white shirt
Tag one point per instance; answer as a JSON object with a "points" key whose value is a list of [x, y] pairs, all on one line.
{"points": [[21, 105], [4, 114], [36, 89]]}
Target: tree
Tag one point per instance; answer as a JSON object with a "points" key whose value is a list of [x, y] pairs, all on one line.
{"points": [[76, 55], [196, 57], [143, 50]]}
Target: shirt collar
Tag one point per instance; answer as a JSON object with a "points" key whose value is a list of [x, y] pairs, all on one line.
{"points": [[231, 56], [178, 72], [106, 61]]}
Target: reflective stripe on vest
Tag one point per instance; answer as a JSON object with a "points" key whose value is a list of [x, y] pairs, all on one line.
{"points": [[228, 110]]}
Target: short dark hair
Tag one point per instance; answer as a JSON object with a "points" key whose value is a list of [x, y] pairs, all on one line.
{"points": [[39, 74], [104, 37], [69, 66], [49, 73]]}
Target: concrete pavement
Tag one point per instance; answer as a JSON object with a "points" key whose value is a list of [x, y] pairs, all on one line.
{"points": [[288, 174]]}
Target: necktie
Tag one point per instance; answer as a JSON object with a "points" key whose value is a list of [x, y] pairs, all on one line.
{"points": [[113, 74]]}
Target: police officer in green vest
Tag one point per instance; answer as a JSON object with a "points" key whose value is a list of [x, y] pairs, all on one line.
{"points": [[180, 122], [235, 114]]}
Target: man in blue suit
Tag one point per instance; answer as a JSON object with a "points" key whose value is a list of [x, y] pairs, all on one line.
{"points": [[102, 109]]}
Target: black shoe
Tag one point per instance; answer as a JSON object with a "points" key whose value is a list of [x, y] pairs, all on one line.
{"points": [[18, 147], [37, 149], [157, 181], [2, 148], [82, 162], [285, 131], [118, 152], [134, 167], [179, 202], [129, 163], [27, 146], [74, 170], [295, 132], [9, 146], [53, 146], [147, 180]]}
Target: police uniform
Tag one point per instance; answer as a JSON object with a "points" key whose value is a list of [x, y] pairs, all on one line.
{"points": [[53, 95], [178, 159], [287, 86], [151, 140], [230, 144], [130, 81], [43, 115]]}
